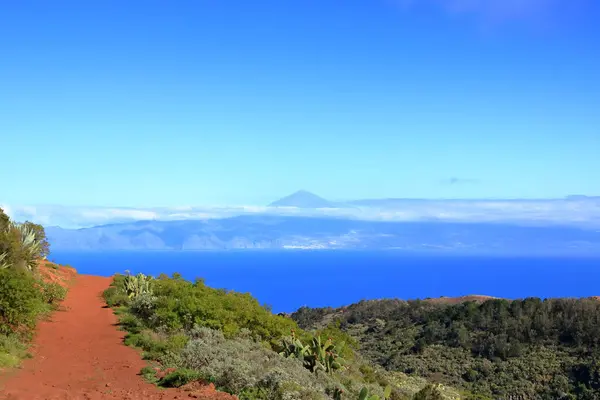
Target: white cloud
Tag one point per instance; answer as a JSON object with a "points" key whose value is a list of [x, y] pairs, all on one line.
{"points": [[118, 213], [577, 212]]}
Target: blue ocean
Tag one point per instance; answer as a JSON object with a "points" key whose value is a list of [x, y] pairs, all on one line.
{"points": [[287, 280]]}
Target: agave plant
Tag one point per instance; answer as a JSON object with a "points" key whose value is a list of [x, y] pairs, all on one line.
{"points": [[29, 245], [135, 285], [4, 264], [26, 247]]}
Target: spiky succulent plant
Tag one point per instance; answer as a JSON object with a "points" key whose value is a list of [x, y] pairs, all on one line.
{"points": [[135, 285], [25, 248], [3, 262], [29, 245]]}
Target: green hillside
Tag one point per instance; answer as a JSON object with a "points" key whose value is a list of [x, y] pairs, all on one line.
{"points": [[529, 349]]}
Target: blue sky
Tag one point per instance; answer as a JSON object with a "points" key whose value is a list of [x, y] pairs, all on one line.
{"points": [[203, 102]]}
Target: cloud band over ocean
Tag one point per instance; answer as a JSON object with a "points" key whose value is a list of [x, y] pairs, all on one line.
{"points": [[578, 211]]}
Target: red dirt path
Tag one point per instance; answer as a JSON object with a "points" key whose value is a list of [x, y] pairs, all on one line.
{"points": [[79, 354]]}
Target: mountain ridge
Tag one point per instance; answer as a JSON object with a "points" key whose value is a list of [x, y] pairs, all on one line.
{"points": [[311, 233]]}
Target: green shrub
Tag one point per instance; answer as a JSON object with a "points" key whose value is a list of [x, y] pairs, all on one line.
{"points": [[182, 305], [150, 342], [130, 323], [21, 301], [23, 296], [229, 339], [155, 344], [12, 350], [144, 306], [254, 393], [368, 373], [52, 292], [115, 297], [149, 373], [238, 364], [429, 392], [179, 378]]}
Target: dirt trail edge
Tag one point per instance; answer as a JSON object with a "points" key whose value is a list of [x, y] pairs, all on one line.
{"points": [[79, 354]]}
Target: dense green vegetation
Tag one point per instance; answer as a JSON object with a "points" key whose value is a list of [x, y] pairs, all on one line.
{"points": [[24, 296], [190, 331], [530, 349]]}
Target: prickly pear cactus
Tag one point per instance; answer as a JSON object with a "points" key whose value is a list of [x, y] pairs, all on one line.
{"points": [[135, 285]]}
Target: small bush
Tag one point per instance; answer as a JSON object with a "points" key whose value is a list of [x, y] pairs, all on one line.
{"points": [[155, 345], [149, 374], [181, 305], [236, 365], [130, 323], [150, 342], [52, 292], [429, 392], [170, 359], [254, 393], [143, 306], [179, 378], [21, 301], [115, 297], [12, 350]]}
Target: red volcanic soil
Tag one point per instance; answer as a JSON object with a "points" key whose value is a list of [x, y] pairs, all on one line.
{"points": [[52, 272], [79, 354]]}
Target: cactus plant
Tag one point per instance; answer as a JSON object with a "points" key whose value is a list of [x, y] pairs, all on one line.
{"points": [[294, 348], [323, 356], [364, 394], [337, 394], [135, 285], [387, 392], [317, 355]]}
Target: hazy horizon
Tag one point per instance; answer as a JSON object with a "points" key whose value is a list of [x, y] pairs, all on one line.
{"points": [[577, 210]]}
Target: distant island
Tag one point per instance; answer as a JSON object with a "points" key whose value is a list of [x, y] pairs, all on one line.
{"points": [[574, 211], [305, 221], [303, 199], [315, 233]]}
